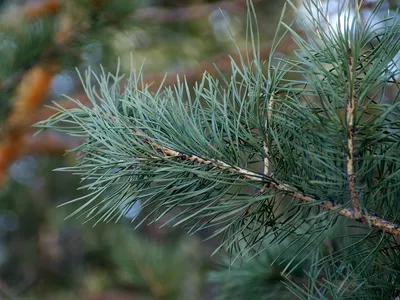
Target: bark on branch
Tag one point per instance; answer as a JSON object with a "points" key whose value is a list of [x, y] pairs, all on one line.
{"points": [[350, 111], [373, 221]]}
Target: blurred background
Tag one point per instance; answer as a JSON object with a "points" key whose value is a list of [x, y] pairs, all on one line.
{"points": [[43, 43]]}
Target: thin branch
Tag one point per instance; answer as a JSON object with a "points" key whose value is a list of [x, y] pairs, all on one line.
{"points": [[350, 111], [267, 158], [373, 221]]}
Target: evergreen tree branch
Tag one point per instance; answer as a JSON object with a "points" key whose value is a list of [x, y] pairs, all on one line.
{"points": [[200, 153], [299, 136], [27, 110], [373, 221], [11, 147], [35, 81]]}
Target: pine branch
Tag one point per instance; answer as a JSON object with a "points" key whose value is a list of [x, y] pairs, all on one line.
{"points": [[373, 221], [34, 81], [51, 146], [201, 152], [12, 146], [291, 137]]}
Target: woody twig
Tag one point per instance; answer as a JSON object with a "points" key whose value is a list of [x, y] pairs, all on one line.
{"points": [[373, 221]]}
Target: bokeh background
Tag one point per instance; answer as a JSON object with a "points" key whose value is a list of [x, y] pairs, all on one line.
{"points": [[43, 46]]}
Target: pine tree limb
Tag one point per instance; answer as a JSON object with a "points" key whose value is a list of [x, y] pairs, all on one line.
{"points": [[373, 221]]}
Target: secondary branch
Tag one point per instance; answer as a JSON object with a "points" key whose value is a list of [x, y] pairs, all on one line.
{"points": [[350, 111], [373, 221], [267, 158]]}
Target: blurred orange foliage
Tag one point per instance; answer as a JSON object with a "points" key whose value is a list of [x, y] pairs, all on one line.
{"points": [[35, 11], [29, 97]]}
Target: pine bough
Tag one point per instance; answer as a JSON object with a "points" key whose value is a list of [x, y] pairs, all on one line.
{"points": [[291, 152]]}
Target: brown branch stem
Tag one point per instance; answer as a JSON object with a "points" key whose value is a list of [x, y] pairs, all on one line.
{"points": [[350, 111], [373, 221], [267, 158]]}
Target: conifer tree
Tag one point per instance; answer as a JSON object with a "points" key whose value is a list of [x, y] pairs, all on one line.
{"points": [[294, 161]]}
